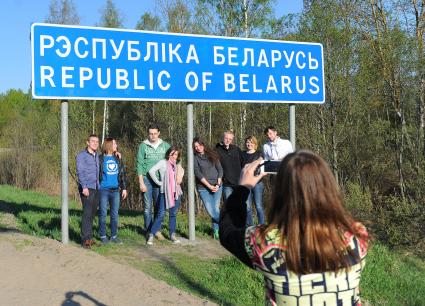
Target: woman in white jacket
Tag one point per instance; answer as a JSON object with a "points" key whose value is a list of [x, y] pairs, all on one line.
{"points": [[170, 177]]}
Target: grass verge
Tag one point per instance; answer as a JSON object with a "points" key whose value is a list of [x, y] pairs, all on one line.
{"points": [[390, 278]]}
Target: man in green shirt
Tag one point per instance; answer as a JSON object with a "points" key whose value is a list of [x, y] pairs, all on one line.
{"points": [[150, 152]]}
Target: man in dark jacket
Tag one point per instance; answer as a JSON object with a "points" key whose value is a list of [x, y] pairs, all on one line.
{"points": [[88, 185], [230, 159]]}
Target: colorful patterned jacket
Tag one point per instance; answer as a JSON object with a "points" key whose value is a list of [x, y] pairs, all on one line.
{"points": [[283, 287]]}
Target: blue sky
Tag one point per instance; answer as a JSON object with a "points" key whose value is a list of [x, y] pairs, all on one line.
{"points": [[16, 17]]}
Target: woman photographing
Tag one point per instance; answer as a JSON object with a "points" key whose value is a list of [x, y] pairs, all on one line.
{"points": [[311, 251]]}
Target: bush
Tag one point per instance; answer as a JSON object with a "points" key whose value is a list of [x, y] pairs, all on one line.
{"points": [[394, 222], [358, 201], [400, 223]]}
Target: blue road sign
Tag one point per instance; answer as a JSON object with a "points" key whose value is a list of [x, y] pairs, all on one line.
{"points": [[89, 63]]}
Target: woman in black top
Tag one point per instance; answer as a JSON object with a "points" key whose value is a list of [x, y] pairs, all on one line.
{"points": [[251, 154]]}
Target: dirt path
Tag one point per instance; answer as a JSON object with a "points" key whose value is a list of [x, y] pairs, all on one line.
{"points": [[36, 271]]}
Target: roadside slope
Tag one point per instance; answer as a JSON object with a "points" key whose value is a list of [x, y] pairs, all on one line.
{"points": [[44, 272]]}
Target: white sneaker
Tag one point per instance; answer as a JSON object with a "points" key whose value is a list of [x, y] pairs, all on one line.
{"points": [[150, 240], [174, 238]]}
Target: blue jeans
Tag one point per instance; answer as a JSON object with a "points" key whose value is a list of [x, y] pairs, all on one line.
{"points": [[160, 209], [211, 202], [257, 193], [151, 194], [227, 191], [111, 197]]}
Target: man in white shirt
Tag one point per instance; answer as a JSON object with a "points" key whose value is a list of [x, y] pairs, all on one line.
{"points": [[276, 148]]}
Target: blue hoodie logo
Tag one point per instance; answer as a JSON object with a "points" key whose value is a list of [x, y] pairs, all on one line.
{"points": [[112, 167]]}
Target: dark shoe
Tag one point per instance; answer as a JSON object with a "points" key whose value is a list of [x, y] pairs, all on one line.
{"points": [[116, 240], [93, 242], [86, 244], [104, 240]]}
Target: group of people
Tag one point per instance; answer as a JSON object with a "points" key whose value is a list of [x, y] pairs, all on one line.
{"points": [[218, 171], [102, 183], [160, 176], [306, 244], [102, 180]]}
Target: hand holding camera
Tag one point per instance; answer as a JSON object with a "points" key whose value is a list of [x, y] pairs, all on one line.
{"points": [[268, 166], [248, 177]]}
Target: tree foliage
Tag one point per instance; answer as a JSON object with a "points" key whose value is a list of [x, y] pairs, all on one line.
{"points": [[371, 129], [111, 16], [63, 12]]}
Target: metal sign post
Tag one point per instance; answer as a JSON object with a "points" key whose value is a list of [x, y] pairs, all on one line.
{"points": [[64, 171], [190, 175]]}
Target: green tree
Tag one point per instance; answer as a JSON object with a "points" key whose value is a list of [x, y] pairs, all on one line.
{"points": [[111, 16], [240, 18], [149, 22], [63, 12]]}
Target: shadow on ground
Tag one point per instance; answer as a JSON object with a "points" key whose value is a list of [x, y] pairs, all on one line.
{"points": [[71, 294], [46, 221], [36, 219]]}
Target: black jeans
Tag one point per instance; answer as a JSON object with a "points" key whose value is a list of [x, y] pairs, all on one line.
{"points": [[90, 205]]}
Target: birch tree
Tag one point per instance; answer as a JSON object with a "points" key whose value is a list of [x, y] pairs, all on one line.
{"points": [[110, 18]]}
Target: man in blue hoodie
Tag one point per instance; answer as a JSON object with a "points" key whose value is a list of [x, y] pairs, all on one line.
{"points": [[88, 185]]}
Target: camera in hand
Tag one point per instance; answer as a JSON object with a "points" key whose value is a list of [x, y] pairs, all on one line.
{"points": [[268, 166]]}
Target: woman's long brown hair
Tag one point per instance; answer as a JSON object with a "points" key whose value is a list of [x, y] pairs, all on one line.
{"points": [[107, 147], [211, 154], [171, 150], [307, 208]]}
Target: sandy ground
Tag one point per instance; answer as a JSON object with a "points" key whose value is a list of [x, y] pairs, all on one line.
{"points": [[36, 271]]}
